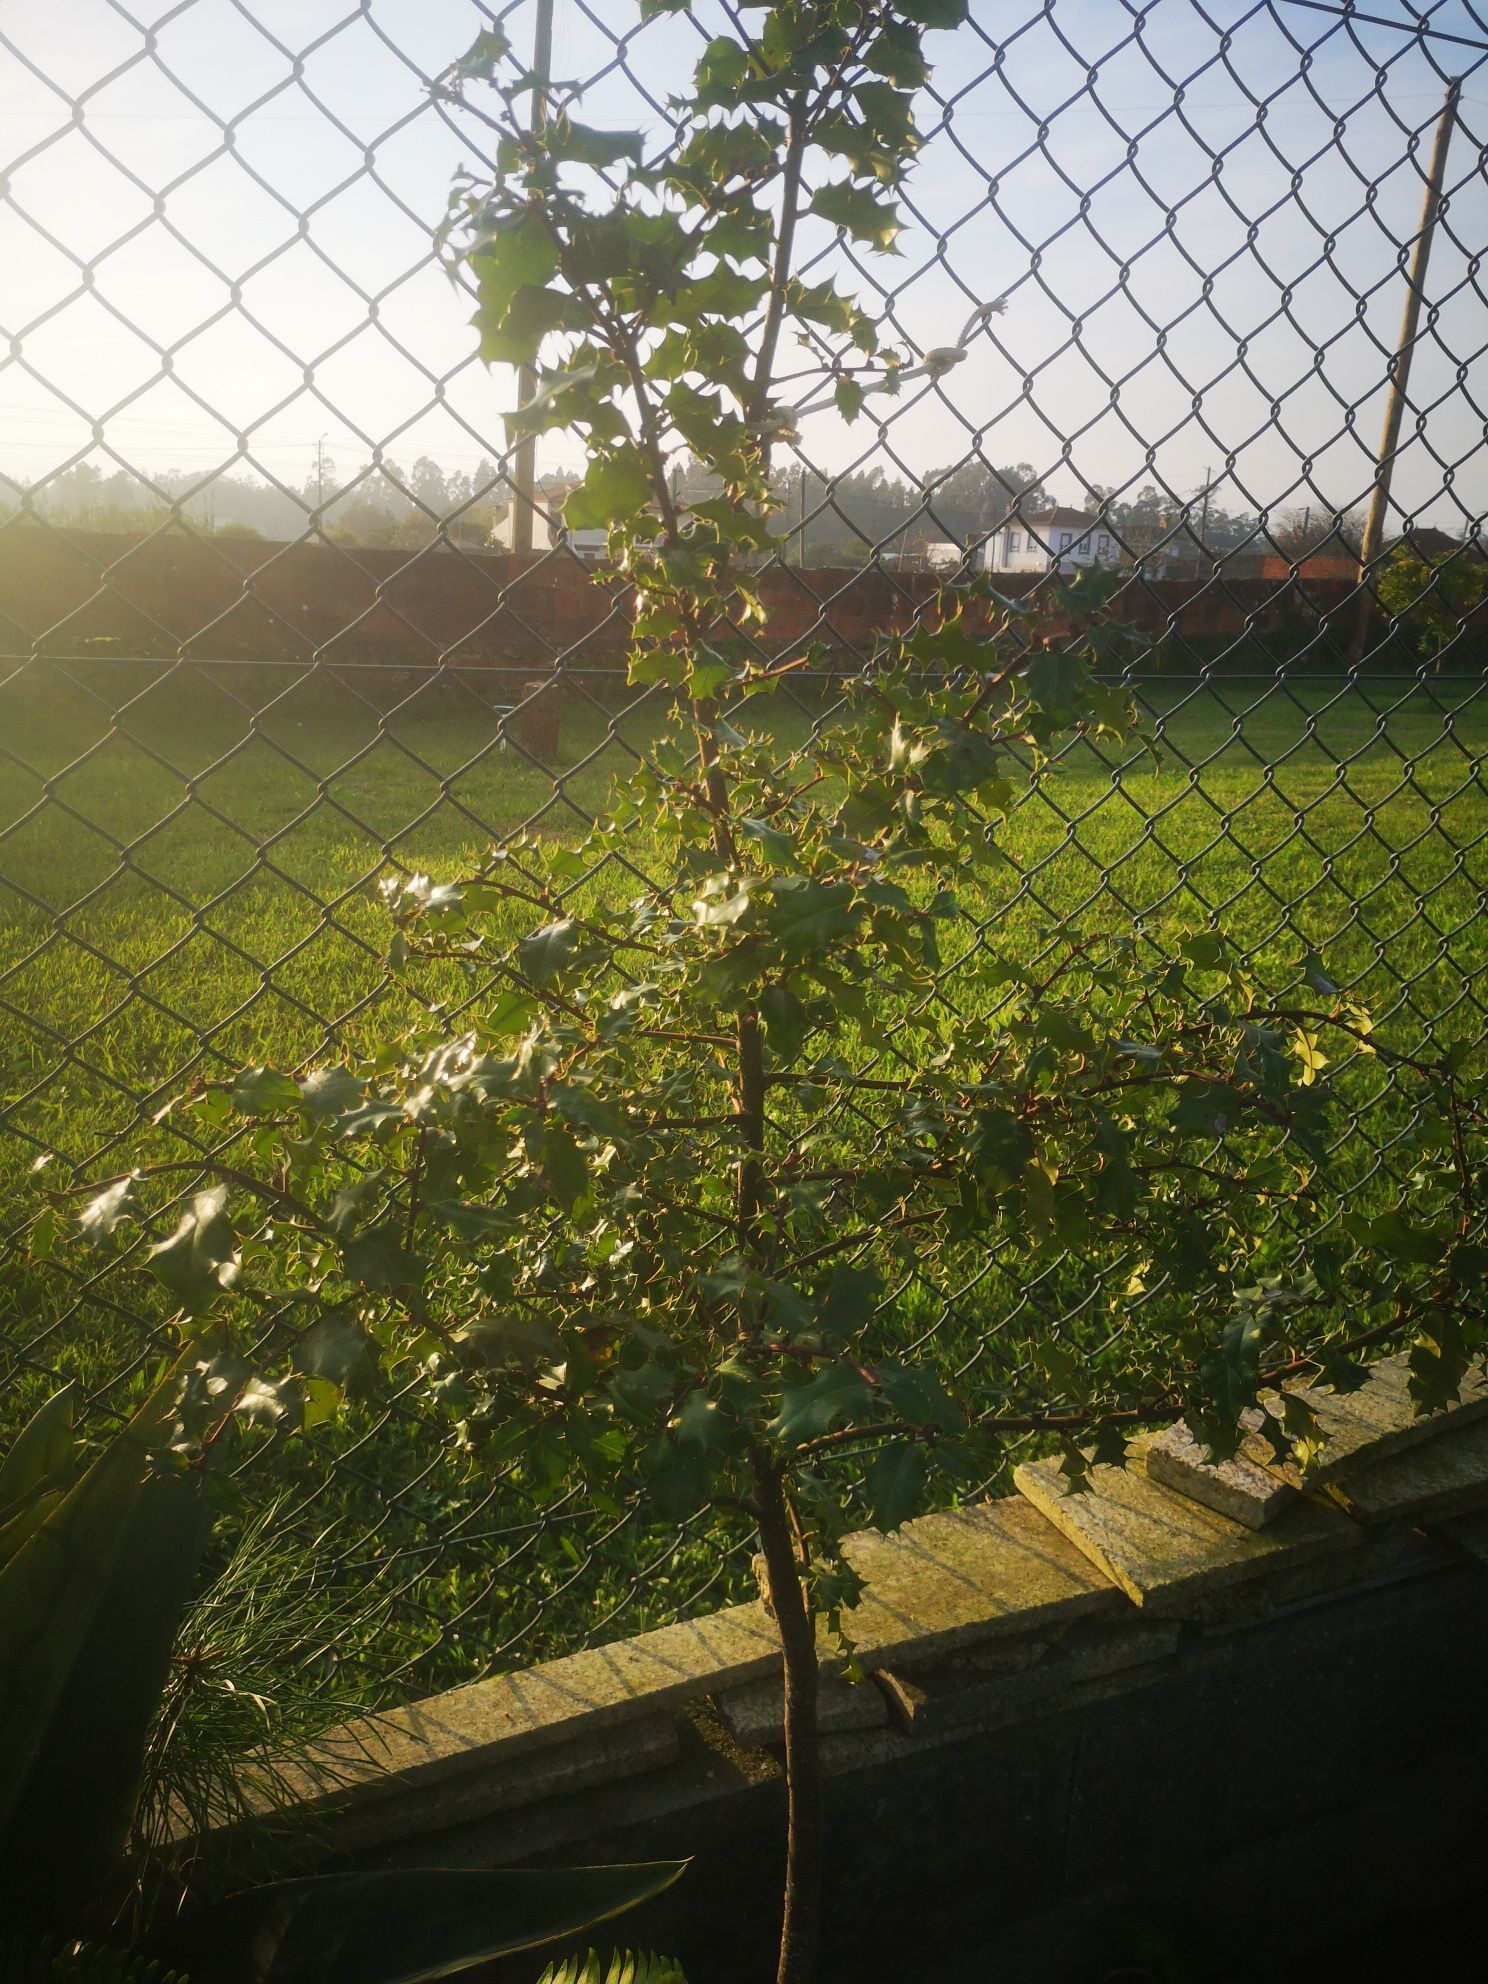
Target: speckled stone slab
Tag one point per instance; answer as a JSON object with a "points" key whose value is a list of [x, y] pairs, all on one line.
{"points": [[948, 1581], [755, 1713], [1378, 1419], [1167, 1550], [1444, 1476], [1239, 1488]]}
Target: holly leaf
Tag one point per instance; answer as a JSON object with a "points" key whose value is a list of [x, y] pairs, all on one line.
{"points": [[811, 1406], [861, 213], [895, 1484], [702, 1422], [617, 486], [543, 955], [582, 144], [378, 1259], [563, 1166], [329, 1092], [101, 1215], [1313, 1059], [263, 1402], [200, 1260], [264, 1092], [338, 1350], [1054, 679]]}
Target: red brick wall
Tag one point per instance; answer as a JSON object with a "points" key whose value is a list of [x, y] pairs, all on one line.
{"points": [[245, 600]]}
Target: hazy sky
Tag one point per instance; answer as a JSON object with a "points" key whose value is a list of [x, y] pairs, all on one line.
{"points": [[1129, 255]]}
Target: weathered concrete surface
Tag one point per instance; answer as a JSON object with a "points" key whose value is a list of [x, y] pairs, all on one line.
{"points": [[1467, 1534], [1367, 1425], [355, 1821], [1166, 1550], [976, 1574]]}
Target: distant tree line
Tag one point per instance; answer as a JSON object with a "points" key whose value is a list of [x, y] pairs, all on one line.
{"points": [[372, 505], [823, 520]]}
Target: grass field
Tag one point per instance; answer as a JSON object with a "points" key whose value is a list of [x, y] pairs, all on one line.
{"points": [[194, 877]]}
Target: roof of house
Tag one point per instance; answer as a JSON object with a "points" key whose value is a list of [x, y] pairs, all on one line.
{"points": [[1429, 542], [1057, 513]]}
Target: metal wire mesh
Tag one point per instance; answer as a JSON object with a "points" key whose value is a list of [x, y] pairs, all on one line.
{"points": [[254, 661]]}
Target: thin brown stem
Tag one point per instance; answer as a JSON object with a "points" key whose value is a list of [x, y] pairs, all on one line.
{"points": [[790, 195], [791, 1607]]}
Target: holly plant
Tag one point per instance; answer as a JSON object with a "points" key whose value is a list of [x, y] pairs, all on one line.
{"points": [[762, 1172]]}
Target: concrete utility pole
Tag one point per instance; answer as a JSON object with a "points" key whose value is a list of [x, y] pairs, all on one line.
{"points": [[524, 475], [1204, 520], [1400, 365]]}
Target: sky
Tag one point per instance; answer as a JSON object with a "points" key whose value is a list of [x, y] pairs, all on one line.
{"points": [[222, 255]]}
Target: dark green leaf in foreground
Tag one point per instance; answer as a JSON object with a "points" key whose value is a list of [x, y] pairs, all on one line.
{"points": [[402, 1926]]}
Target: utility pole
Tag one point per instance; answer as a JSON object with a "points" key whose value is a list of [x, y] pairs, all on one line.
{"points": [[524, 478], [1400, 365], [320, 473], [1204, 519]]}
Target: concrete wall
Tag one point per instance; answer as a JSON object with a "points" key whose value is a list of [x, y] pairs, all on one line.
{"points": [[1276, 1800], [1109, 1735]]}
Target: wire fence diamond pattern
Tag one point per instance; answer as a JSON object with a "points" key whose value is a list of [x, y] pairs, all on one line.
{"points": [[255, 663]]}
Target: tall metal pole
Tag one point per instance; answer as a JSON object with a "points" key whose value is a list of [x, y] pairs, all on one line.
{"points": [[524, 472], [1400, 365]]}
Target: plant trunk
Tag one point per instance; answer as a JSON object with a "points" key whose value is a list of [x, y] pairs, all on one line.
{"points": [[801, 1919]]}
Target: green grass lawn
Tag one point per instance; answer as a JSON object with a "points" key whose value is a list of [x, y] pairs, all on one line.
{"points": [[187, 880]]}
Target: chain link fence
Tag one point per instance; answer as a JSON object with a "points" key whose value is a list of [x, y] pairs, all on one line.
{"points": [[265, 642]]}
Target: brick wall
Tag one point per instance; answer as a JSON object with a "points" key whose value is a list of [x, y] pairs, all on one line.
{"points": [[245, 600]]}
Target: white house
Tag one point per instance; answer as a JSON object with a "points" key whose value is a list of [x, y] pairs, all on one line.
{"points": [[1054, 537]]}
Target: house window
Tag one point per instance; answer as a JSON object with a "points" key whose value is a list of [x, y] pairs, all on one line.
{"points": [[1066, 539], [1103, 547], [1010, 541]]}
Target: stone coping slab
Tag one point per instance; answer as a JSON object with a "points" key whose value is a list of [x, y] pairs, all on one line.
{"points": [[755, 1713], [1378, 1419], [946, 1581], [1435, 1477], [560, 1702], [354, 1820], [1167, 1550], [1239, 1488], [1367, 1425], [952, 1695]]}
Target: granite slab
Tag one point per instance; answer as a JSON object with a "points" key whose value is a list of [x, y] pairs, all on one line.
{"points": [[1378, 1419], [1444, 1476], [994, 1571], [1167, 1550], [754, 1714], [1240, 1487]]}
